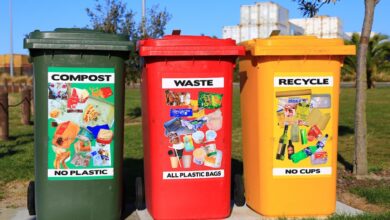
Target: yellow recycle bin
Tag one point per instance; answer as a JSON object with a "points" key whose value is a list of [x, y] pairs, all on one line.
{"points": [[289, 107]]}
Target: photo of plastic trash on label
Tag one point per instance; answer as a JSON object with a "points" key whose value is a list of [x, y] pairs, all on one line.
{"points": [[303, 125], [193, 133], [81, 107]]}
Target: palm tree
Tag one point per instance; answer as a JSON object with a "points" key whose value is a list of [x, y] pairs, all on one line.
{"points": [[378, 57]]}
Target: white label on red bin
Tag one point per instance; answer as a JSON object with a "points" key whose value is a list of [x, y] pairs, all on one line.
{"points": [[302, 171], [196, 83], [297, 81], [195, 174]]}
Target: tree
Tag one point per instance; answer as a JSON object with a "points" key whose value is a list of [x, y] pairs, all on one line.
{"points": [[156, 22], [311, 7], [360, 159], [112, 16], [378, 54]]}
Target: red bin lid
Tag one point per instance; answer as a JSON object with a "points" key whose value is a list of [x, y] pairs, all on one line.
{"points": [[182, 45]]}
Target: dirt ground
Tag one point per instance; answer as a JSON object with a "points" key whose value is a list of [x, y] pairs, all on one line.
{"points": [[346, 180], [132, 121], [15, 195]]}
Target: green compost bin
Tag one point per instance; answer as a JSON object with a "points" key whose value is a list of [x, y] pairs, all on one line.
{"points": [[78, 99]]}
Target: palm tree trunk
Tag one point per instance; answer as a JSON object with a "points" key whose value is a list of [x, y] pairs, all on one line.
{"points": [[360, 161]]}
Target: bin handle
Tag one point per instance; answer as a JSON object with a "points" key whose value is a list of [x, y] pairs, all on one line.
{"points": [[249, 45]]}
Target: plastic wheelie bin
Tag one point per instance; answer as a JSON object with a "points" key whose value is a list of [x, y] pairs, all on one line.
{"points": [[79, 92], [186, 115], [289, 107]]}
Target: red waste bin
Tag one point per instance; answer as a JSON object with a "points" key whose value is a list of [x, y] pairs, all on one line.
{"points": [[186, 113]]}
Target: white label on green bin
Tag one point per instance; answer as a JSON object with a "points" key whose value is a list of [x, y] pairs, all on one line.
{"points": [[81, 106]]}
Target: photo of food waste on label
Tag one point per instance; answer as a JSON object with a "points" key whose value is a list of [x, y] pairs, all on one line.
{"points": [[303, 130], [80, 123], [193, 130]]}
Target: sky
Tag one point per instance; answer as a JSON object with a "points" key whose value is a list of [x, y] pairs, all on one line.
{"points": [[193, 17]]}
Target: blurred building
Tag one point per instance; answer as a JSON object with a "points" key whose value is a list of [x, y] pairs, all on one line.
{"points": [[21, 64], [348, 35], [260, 19], [321, 26]]}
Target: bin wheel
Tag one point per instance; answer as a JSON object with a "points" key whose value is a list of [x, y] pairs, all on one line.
{"points": [[139, 194], [31, 198], [238, 196]]}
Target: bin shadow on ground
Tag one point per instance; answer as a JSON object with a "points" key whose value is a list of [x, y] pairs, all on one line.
{"points": [[237, 169], [347, 165], [134, 112], [133, 168], [345, 130]]}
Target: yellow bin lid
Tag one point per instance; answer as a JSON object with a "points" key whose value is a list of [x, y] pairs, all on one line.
{"points": [[297, 45]]}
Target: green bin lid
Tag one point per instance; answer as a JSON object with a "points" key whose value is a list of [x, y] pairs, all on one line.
{"points": [[77, 39]]}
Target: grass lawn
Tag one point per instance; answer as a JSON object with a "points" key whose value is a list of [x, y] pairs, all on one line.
{"points": [[377, 195], [378, 120], [16, 155]]}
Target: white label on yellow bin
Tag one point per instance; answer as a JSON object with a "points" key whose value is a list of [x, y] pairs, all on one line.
{"points": [[303, 114], [302, 171], [303, 81]]}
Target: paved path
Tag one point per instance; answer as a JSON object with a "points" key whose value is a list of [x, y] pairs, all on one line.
{"points": [[246, 213], [238, 213]]}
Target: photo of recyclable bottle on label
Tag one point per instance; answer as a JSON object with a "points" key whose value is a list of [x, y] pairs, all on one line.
{"points": [[80, 124], [192, 129], [302, 128]]}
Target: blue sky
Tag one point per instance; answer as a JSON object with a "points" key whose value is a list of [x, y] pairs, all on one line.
{"points": [[191, 16]]}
